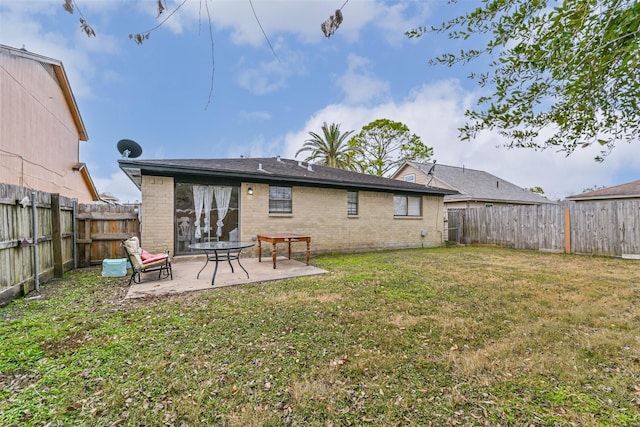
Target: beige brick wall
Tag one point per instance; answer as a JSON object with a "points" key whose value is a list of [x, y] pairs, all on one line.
{"points": [[323, 214], [317, 211], [157, 214]]}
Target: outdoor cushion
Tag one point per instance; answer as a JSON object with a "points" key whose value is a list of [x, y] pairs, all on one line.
{"points": [[153, 258], [148, 258], [144, 262], [132, 246]]}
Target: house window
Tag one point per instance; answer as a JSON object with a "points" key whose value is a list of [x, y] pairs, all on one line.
{"points": [[279, 199], [488, 205], [352, 203], [407, 205], [410, 178]]}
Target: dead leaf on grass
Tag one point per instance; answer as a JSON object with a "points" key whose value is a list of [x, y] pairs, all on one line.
{"points": [[339, 361]]}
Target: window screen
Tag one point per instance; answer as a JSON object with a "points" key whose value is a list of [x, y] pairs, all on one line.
{"points": [[407, 205], [352, 203], [279, 199]]}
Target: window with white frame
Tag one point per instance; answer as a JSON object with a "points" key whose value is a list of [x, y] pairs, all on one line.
{"points": [[279, 199], [404, 205], [352, 203]]}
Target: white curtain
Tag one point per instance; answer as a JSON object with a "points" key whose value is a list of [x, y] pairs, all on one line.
{"points": [[223, 197], [208, 201], [198, 199]]}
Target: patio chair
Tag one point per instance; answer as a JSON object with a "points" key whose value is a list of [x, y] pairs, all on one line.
{"points": [[143, 262]]}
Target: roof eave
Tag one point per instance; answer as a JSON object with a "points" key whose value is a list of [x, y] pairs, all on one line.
{"points": [[128, 166], [71, 101], [82, 168], [611, 197]]}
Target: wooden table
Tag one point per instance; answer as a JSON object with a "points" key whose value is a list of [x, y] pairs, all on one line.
{"points": [[274, 239]]}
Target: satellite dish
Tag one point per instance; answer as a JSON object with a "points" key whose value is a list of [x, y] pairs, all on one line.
{"points": [[129, 149], [432, 168]]}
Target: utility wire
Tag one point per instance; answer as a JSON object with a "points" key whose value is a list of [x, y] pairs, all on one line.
{"points": [[265, 34]]}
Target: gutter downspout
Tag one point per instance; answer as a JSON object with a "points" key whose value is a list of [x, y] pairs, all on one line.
{"points": [[34, 221]]}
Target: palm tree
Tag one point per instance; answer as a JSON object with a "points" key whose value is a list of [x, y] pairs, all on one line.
{"points": [[331, 149]]}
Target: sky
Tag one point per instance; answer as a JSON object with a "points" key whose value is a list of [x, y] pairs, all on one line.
{"points": [[232, 85]]}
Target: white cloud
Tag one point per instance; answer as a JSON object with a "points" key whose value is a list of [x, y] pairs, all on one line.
{"points": [[301, 19], [270, 76], [359, 85], [120, 186], [261, 80], [435, 112], [392, 21]]}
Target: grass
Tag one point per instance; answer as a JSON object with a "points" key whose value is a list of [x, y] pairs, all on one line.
{"points": [[447, 336]]}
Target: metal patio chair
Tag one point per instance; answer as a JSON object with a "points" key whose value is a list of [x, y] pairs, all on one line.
{"points": [[144, 262]]}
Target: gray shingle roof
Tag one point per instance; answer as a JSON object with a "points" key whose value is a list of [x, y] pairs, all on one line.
{"points": [[623, 191], [477, 185], [270, 170]]}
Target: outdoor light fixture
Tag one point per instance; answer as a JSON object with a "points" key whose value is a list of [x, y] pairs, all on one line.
{"points": [[250, 191]]}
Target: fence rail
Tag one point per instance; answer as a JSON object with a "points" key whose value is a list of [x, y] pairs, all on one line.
{"points": [[609, 228], [43, 235]]}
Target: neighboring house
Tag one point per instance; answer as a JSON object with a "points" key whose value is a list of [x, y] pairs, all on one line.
{"points": [[474, 188], [343, 211], [628, 191], [40, 127]]}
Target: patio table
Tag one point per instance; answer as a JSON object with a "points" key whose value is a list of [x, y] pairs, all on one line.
{"points": [[221, 251], [274, 239]]}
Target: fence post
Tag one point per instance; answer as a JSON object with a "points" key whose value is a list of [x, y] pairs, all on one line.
{"points": [[56, 235], [567, 230]]}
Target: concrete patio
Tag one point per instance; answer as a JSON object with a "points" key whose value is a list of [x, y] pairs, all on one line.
{"points": [[185, 272]]}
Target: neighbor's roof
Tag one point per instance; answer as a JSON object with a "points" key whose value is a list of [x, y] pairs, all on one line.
{"points": [[477, 185], [630, 190], [60, 77], [270, 170]]}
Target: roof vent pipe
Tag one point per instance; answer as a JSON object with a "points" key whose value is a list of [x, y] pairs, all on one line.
{"points": [[309, 167], [300, 163], [278, 159], [260, 166]]}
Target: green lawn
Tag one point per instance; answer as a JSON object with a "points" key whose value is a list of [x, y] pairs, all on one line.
{"points": [[447, 336]]}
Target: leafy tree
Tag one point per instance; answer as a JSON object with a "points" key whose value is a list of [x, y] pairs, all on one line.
{"points": [[564, 68], [331, 148], [594, 188], [383, 145], [537, 190]]}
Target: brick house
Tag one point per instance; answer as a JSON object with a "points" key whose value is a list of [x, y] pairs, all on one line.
{"points": [[41, 127], [343, 211]]}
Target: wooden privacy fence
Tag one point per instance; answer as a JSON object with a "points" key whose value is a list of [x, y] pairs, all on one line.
{"points": [[101, 228], [67, 236], [609, 228], [36, 237]]}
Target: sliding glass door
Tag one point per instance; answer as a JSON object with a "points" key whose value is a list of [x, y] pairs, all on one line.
{"points": [[204, 213]]}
